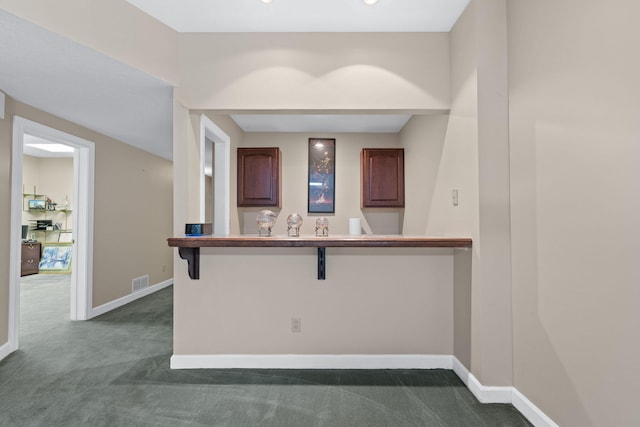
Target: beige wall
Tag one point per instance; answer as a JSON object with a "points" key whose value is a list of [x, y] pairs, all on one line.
{"points": [[441, 155], [369, 303], [294, 148], [423, 140], [459, 170], [492, 338], [315, 71], [52, 177], [132, 202], [574, 115], [474, 160]]}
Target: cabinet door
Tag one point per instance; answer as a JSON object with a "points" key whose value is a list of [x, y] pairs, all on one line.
{"points": [[382, 177], [258, 177], [30, 258]]}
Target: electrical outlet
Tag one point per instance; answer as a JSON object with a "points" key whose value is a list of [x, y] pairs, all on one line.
{"points": [[454, 197], [296, 324]]}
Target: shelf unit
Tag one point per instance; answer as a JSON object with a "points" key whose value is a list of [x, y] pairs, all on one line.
{"points": [[48, 212]]}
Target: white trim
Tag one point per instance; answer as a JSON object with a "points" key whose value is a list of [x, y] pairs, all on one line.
{"points": [[202, 151], [112, 305], [311, 361], [83, 188], [485, 394], [14, 237], [508, 394], [531, 411], [221, 174], [5, 350]]}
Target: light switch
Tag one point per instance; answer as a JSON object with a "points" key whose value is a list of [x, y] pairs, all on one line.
{"points": [[454, 197]]}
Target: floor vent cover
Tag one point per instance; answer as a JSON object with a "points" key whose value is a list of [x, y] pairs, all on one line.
{"points": [[140, 283]]}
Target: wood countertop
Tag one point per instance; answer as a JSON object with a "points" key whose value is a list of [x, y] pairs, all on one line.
{"points": [[364, 241]]}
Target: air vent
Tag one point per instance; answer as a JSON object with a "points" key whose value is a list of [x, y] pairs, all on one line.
{"points": [[140, 283]]}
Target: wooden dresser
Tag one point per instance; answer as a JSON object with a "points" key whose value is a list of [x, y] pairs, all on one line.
{"points": [[30, 258]]}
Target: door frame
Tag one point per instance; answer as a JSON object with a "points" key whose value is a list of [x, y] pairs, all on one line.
{"points": [[221, 173], [82, 254]]}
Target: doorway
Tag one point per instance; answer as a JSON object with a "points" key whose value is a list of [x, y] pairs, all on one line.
{"points": [[82, 248], [47, 234], [220, 155]]}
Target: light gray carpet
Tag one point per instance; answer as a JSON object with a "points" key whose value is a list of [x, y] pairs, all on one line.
{"points": [[114, 371]]}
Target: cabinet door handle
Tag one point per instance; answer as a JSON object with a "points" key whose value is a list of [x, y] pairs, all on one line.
{"points": [[30, 246], [30, 261]]}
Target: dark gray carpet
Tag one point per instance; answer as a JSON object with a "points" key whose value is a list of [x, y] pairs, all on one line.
{"points": [[114, 371]]}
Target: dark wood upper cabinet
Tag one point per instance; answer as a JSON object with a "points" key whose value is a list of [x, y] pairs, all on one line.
{"points": [[382, 177], [258, 177]]}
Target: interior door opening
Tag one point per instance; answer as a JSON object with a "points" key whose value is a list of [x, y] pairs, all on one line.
{"points": [[220, 145], [47, 231], [82, 236]]}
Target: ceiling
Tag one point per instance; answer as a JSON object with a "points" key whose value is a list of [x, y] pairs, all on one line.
{"points": [[365, 123], [304, 15], [36, 147], [76, 83]]}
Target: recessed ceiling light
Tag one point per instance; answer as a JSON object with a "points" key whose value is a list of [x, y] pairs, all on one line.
{"points": [[52, 148], [269, 1], [370, 1]]}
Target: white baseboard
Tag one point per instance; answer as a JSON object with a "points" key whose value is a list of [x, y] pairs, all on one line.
{"points": [[531, 411], [508, 394], [5, 350], [485, 394], [104, 308], [303, 361]]}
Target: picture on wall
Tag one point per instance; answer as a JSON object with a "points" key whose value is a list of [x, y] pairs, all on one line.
{"points": [[56, 258], [322, 160]]}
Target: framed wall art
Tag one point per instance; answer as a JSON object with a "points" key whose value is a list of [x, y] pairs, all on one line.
{"points": [[56, 258], [321, 188]]}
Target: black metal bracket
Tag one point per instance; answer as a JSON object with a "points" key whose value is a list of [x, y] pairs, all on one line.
{"points": [[192, 255], [322, 263]]}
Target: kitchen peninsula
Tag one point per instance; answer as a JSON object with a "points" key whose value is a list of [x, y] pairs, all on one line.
{"points": [[376, 301]]}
